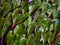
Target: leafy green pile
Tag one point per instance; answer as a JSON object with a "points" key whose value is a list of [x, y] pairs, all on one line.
{"points": [[29, 22]]}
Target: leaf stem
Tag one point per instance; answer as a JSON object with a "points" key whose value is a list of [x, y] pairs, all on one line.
{"points": [[55, 37]]}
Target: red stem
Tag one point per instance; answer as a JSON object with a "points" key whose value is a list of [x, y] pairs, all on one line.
{"points": [[55, 37]]}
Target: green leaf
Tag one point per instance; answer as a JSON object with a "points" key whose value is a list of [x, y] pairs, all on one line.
{"points": [[30, 39], [22, 41], [1, 23], [9, 38]]}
